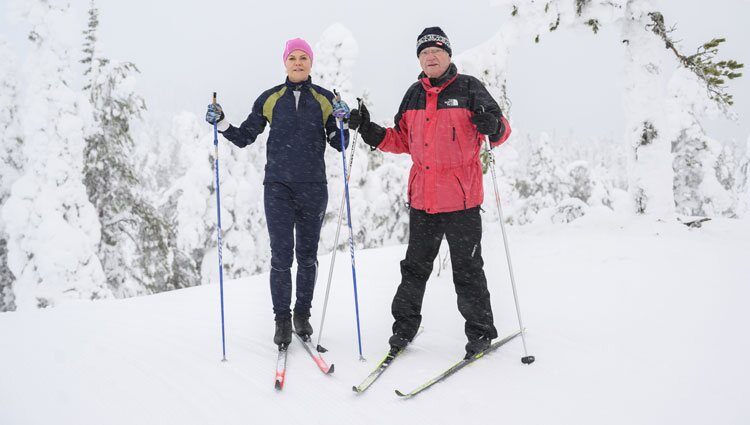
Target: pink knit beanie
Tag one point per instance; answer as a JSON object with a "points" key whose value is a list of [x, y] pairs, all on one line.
{"points": [[297, 44]]}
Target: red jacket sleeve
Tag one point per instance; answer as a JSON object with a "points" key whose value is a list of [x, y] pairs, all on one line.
{"points": [[395, 140]]}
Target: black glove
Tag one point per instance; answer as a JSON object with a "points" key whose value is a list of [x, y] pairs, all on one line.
{"points": [[372, 134], [359, 118], [486, 123]]}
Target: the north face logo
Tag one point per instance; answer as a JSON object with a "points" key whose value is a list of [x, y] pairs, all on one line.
{"points": [[451, 102]]}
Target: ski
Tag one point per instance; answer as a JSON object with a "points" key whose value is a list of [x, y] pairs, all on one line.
{"points": [[458, 366], [375, 374], [281, 367], [382, 366], [316, 356]]}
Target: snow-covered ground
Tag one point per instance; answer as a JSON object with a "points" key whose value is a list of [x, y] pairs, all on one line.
{"points": [[631, 322]]}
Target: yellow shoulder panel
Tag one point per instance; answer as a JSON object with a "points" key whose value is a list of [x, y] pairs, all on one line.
{"points": [[270, 103], [325, 105]]}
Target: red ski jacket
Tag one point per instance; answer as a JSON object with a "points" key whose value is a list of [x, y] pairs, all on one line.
{"points": [[433, 125]]}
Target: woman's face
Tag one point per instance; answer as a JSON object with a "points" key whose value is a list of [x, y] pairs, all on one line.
{"points": [[298, 66]]}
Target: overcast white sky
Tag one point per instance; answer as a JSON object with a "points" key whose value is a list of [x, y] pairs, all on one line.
{"points": [[569, 83]]}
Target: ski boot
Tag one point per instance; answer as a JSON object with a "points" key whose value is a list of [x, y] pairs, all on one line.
{"points": [[302, 325], [283, 335]]}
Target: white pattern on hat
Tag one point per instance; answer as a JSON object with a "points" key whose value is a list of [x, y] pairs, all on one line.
{"points": [[433, 37]]}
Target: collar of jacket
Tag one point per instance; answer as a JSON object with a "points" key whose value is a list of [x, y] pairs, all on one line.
{"points": [[299, 86], [443, 80]]}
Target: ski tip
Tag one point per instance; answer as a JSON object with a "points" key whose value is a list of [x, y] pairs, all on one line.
{"points": [[400, 394], [321, 349], [528, 359], [330, 370], [356, 389], [278, 385]]}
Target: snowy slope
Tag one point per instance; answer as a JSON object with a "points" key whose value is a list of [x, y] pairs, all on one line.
{"points": [[632, 322]]}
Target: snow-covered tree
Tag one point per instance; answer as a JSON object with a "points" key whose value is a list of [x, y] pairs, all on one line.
{"points": [[52, 228], [729, 173], [743, 184], [645, 35], [703, 170], [383, 214], [246, 248], [568, 210], [690, 152], [580, 182], [136, 247], [133, 265], [7, 297], [542, 184], [92, 59], [695, 150], [335, 55], [139, 246], [650, 167], [187, 198], [489, 63], [10, 161], [191, 200]]}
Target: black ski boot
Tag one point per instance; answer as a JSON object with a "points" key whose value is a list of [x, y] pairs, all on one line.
{"points": [[476, 346], [397, 343], [283, 335], [302, 325]]}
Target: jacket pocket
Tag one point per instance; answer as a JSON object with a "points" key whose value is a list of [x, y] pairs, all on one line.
{"points": [[409, 187]]}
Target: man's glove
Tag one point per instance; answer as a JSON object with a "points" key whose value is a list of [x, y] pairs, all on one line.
{"points": [[372, 133], [359, 118], [214, 114], [340, 109], [486, 123]]}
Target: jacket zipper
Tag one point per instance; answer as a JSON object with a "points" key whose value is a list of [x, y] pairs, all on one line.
{"points": [[462, 189]]}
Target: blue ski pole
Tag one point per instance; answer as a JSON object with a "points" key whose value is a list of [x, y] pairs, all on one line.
{"points": [[352, 149], [218, 215], [351, 233]]}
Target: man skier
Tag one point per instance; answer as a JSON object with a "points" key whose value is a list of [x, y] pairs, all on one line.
{"points": [[442, 122]]}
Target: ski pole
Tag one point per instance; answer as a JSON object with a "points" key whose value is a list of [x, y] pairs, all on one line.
{"points": [[527, 359], [351, 233], [352, 148], [218, 215]]}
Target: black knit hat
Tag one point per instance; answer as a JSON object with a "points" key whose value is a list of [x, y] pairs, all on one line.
{"points": [[433, 37]]}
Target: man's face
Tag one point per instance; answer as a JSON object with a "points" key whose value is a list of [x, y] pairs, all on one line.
{"points": [[434, 61], [298, 66]]}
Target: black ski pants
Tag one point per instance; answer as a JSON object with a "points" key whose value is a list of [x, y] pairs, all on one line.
{"points": [[463, 230], [294, 211]]}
